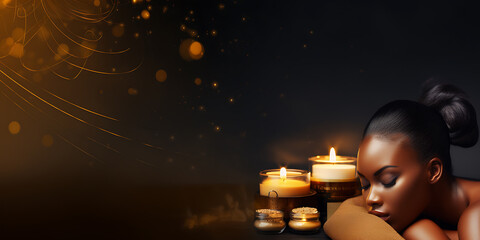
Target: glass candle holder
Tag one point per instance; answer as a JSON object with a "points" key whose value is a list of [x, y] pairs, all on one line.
{"points": [[284, 182], [269, 221], [335, 176], [304, 220]]}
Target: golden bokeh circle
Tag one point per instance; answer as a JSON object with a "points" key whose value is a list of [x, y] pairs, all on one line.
{"points": [[14, 127], [47, 140], [161, 75], [145, 14]]}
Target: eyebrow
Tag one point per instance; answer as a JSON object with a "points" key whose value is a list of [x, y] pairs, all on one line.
{"points": [[379, 170], [383, 168]]}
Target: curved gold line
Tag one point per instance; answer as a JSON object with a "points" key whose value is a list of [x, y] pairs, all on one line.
{"points": [[58, 109], [69, 38], [73, 104]]}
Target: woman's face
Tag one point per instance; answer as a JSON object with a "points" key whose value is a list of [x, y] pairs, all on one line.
{"points": [[395, 183]]}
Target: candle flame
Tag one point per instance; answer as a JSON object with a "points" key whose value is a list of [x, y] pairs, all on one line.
{"points": [[333, 156], [283, 173]]}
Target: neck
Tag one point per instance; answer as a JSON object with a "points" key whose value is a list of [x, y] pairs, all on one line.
{"points": [[447, 203]]}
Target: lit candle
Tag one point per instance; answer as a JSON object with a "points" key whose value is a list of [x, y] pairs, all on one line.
{"points": [[285, 183], [336, 168], [269, 221], [304, 219]]}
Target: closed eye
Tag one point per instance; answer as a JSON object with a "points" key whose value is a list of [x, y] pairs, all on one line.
{"points": [[365, 187], [391, 183]]}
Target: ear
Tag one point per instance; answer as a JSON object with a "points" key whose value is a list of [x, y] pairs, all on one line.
{"points": [[434, 170]]}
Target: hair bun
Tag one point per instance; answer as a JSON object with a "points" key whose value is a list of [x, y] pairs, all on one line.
{"points": [[457, 112]]}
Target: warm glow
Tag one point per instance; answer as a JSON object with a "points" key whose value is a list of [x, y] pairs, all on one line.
{"points": [[283, 173], [333, 156]]}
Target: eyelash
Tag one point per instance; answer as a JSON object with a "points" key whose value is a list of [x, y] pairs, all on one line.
{"points": [[387, 185], [391, 184]]}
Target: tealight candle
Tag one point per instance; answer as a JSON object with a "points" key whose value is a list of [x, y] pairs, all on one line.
{"points": [[305, 220], [284, 183], [269, 221]]}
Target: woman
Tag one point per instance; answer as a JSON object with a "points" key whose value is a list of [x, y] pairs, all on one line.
{"points": [[405, 169]]}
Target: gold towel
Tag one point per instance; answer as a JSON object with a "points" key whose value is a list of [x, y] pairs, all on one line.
{"points": [[352, 221]]}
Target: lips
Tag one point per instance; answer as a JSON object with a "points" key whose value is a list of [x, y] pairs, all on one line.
{"points": [[384, 216]]}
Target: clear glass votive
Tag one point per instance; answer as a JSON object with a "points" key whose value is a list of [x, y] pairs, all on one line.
{"points": [[284, 183], [304, 220], [269, 221], [335, 177]]}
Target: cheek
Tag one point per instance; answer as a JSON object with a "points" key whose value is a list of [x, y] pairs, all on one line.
{"points": [[406, 200]]}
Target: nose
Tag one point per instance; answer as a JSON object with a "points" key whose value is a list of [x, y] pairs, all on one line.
{"points": [[373, 198]]}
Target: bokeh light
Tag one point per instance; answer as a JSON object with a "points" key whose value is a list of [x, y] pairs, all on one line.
{"points": [[198, 81], [145, 14], [14, 127], [47, 140], [191, 50], [133, 91], [118, 30], [161, 75]]}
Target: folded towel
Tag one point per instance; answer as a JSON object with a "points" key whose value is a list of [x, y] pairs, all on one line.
{"points": [[352, 221]]}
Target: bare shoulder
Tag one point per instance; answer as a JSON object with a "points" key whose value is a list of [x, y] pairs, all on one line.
{"points": [[468, 225], [471, 189]]}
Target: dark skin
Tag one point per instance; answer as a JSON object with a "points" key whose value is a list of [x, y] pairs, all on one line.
{"points": [[418, 199]]}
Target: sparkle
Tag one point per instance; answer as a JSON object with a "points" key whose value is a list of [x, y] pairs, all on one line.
{"points": [[213, 32], [217, 128], [231, 100], [214, 85]]}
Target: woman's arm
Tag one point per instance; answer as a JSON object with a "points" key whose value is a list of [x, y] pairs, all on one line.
{"points": [[352, 221], [425, 229], [469, 223]]}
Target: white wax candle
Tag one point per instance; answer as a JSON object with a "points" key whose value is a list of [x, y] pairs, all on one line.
{"points": [[340, 172]]}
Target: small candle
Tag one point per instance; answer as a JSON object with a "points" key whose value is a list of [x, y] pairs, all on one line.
{"points": [[269, 221], [304, 219], [335, 169], [285, 183]]}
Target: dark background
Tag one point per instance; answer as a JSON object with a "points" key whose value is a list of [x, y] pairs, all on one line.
{"points": [[302, 76]]}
